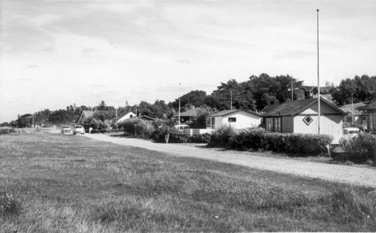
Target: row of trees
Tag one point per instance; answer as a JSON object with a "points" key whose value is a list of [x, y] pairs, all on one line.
{"points": [[253, 94]]}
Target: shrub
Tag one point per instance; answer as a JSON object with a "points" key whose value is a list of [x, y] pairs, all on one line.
{"points": [[138, 127], [307, 144], [260, 139], [360, 148], [222, 135]]}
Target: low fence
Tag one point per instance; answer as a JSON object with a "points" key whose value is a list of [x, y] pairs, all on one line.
{"points": [[192, 132]]}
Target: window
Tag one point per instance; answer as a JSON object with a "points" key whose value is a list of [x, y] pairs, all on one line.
{"points": [[274, 124], [213, 122], [277, 124], [232, 119]]}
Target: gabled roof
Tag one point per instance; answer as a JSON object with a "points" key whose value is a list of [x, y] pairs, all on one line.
{"points": [[369, 106], [144, 117], [354, 108], [122, 115], [88, 114], [189, 113], [228, 112], [293, 108]]}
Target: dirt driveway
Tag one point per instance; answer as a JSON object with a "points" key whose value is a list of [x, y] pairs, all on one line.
{"points": [[354, 175]]}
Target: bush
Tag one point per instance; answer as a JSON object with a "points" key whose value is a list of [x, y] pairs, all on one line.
{"points": [[307, 144], [138, 127], [222, 135], [360, 148], [260, 139]]}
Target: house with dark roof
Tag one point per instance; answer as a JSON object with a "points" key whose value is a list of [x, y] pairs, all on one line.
{"points": [[311, 91], [370, 110], [83, 116], [188, 115], [355, 115], [301, 116], [239, 119]]}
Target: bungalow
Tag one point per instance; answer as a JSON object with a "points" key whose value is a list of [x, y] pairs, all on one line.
{"points": [[126, 116], [239, 119], [302, 117], [83, 116], [370, 110], [355, 116], [188, 115]]}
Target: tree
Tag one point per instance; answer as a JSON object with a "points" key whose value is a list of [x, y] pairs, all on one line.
{"points": [[358, 89], [191, 99]]}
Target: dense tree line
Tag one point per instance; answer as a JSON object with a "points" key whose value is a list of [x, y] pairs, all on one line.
{"points": [[253, 94], [358, 89]]}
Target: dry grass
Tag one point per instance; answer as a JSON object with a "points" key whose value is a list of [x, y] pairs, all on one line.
{"points": [[66, 183]]}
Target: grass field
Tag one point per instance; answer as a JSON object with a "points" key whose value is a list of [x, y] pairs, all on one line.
{"points": [[65, 183]]}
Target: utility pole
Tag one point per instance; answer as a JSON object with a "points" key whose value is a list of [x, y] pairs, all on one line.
{"points": [[292, 90], [352, 108], [231, 99], [179, 103], [318, 75]]}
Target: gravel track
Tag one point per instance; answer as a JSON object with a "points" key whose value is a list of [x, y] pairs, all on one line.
{"points": [[354, 175]]}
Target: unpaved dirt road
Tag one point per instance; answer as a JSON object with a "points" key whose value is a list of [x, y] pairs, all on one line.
{"points": [[354, 175]]}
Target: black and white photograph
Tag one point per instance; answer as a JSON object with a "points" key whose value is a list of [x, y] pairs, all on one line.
{"points": [[187, 116]]}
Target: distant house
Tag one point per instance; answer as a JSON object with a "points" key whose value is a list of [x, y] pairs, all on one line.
{"points": [[125, 116], [188, 115], [355, 115], [370, 111], [311, 91], [146, 118], [239, 119], [302, 117], [83, 116]]}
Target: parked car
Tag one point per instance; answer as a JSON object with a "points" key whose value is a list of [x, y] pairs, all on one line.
{"points": [[66, 129], [351, 132], [181, 127], [79, 129]]}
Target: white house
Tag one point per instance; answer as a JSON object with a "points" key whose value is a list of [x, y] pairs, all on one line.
{"points": [[126, 116], [239, 119]]}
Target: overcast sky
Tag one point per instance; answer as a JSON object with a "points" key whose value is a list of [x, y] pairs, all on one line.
{"points": [[56, 53]]}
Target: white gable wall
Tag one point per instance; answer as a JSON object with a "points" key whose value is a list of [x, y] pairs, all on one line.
{"points": [[243, 120], [330, 122], [126, 116]]}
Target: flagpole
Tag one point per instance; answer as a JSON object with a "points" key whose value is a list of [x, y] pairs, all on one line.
{"points": [[318, 75]]}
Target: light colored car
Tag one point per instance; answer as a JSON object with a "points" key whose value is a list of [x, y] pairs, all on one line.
{"points": [[181, 127], [66, 129], [351, 132], [79, 129]]}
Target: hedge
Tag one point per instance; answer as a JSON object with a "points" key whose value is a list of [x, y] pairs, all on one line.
{"points": [[260, 139], [360, 148]]}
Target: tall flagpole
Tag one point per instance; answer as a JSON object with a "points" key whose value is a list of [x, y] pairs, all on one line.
{"points": [[318, 75]]}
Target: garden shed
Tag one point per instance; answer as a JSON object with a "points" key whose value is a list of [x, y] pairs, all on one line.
{"points": [[302, 117]]}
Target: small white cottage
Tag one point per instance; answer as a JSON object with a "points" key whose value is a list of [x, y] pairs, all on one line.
{"points": [[239, 119], [126, 116]]}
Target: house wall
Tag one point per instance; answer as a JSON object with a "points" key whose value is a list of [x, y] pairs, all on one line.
{"points": [[287, 124], [371, 120], [243, 120], [330, 122], [126, 116]]}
